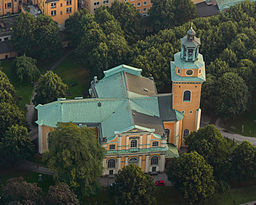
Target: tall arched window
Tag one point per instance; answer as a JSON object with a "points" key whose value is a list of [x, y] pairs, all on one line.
{"points": [[187, 95], [134, 143], [186, 132], [154, 160], [111, 163]]}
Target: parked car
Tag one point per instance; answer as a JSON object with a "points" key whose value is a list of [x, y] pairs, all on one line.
{"points": [[159, 183]]}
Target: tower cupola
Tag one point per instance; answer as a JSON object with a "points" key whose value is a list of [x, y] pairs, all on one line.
{"points": [[190, 46]]}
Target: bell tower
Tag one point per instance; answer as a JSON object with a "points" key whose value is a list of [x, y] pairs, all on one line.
{"points": [[188, 75]]}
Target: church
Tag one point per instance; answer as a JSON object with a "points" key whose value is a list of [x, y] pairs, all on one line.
{"points": [[134, 123]]}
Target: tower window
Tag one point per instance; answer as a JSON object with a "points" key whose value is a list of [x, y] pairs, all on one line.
{"points": [[189, 72], [186, 132], [187, 95], [178, 71], [112, 146]]}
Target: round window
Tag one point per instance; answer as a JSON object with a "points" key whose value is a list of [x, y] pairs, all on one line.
{"points": [[189, 72]]}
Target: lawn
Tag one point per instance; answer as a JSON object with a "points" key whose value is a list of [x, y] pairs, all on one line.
{"points": [[75, 76], [244, 125], [23, 90], [30, 177]]}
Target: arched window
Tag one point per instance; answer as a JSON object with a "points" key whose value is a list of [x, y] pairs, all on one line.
{"points": [[133, 160], [155, 144], [186, 132], [154, 160], [111, 163], [187, 95], [134, 143]]}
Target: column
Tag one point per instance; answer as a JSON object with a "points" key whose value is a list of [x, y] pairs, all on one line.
{"points": [[140, 161], [148, 140], [147, 164], [126, 161], [118, 163], [40, 139], [119, 142], [162, 163], [127, 142], [140, 145]]}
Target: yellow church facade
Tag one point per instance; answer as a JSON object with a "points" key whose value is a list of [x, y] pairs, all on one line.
{"points": [[135, 124]]}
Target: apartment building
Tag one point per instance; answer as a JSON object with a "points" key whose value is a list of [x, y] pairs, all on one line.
{"points": [[59, 10], [9, 7]]}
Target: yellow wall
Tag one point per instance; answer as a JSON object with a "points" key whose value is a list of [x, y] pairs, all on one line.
{"points": [[14, 7], [9, 54], [45, 131], [61, 9], [178, 104]]}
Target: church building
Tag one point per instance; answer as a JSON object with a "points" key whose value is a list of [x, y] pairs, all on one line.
{"points": [[136, 124]]}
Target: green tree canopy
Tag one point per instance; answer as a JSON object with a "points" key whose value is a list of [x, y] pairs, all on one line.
{"points": [[61, 194], [36, 37], [17, 191], [26, 69], [130, 20], [233, 95], [49, 88], [16, 145], [243, 161], [215, 149], [7, 91], [193, 177], [76, 157], [10, 114], [132, 186]]}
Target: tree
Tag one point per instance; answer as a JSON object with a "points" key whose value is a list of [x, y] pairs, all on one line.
{"points": [[184, 10], [215, 149], [76, 157], [10, 114], [26, 69], [233, 95], [161, 14], [243, 161], [16, 145], [74, 25], [36, 37], [130, 20], [49, 88], [23, 33], [132, 186], [218, 67], [61, 194], [47, 38], [17, 191], [193, 177], [7, 91]]}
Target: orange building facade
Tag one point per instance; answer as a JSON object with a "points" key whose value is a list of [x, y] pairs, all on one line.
{"points": [[58, 10], [9, 7]]}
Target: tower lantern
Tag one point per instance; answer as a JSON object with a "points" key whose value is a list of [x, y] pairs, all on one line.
{"points": [[190, 46]]}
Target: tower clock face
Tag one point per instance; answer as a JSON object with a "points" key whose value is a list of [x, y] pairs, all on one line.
{"points": [[189, 72]]}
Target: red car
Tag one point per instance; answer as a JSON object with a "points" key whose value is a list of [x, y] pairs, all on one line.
{"points": [[159, 183]]}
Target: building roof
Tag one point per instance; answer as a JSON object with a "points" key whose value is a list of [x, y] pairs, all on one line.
{"points": [[204, 10], [225, 4], [171, 152], [6, 47], [122, 102]]}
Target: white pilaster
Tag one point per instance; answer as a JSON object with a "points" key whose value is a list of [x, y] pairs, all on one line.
{"points": [[140, 145], [118, 163], [119, 139], [127, 142], [140, 161], [126, 161], [40, 140], [147, 164], [198, 119], [162, 163], [148, 140]]}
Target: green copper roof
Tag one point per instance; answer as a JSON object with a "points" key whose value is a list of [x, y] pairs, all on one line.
{"points": [[187, 65], [225, 4], [123, 68], [172, 152]]}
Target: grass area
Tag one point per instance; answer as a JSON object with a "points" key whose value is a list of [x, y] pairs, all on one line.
{"points": [[23, 90], [244, 125], [31, 177], [75, 76]]}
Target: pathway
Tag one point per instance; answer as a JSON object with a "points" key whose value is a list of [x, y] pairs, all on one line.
{"points": [[233, 136]]}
